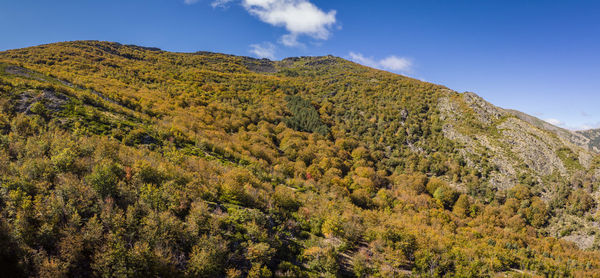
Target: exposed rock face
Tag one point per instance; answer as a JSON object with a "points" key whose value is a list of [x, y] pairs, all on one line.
{"points": [[51, 100], [18, 71], [533, 147], [485, 111], [475, 145], [582, 241], [593, 137], [513, 144], [260, 65], [568, 137]]}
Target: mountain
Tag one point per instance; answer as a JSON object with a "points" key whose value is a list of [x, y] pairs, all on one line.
{"points": [[593, 135], [121, 160]]}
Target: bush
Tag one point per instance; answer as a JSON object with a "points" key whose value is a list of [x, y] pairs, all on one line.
{"points": [[235, 187], [259, 271], [433, 184], [259, 252], [26, 126], [417, 182], [285, 198], [446, 195], [149, 174], [536, 213], [104, 179], [361, 265], [462, 207], [580, 202], [520, 192], [38, 108], [361, 198], [139, 137], [208, 257], [64, 160]]}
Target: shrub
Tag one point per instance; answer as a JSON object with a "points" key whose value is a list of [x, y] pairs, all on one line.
{"points": [[446, 195], [580, 202], [361, 198], [64, 160], [433, 184], [417, 182], [104, 178], [148, 174], [139, 137], [208, 257], [285, 198], [38, 108], [463, 206], [259, 271], [235, 186], [536, 213]]}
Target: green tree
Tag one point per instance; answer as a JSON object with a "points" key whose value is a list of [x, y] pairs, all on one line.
{"points": [[105, 177]]}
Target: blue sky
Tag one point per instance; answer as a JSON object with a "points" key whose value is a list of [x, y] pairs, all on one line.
{"points": [[540, 57]]}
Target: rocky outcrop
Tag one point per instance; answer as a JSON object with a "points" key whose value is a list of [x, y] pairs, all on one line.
{"points": [[568, 137], [51, 100], [513, 141], [532, 146], [593, 137], [485, 111]]}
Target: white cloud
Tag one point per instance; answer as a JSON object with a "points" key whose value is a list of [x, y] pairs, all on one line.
{"points": [[263, 50], [555, 122], [396, 63], [298, 17], [290, 40], [361, 59], [586, 126], [571, 126], [219, 3], [392, 63], [190, 2]]}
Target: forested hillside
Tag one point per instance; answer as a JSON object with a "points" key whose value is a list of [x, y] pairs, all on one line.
{"points": [[125, 161]]}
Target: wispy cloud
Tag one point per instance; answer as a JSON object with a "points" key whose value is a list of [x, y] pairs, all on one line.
{"points": [[392, 63], [571, 126], [263, 50], [396, 63], [586, 126], [190, 2], [298, 17], [220, 3], [555, 122]]}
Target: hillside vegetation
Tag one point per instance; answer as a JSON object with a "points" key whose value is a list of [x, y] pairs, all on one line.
{"points": [[125, 161]]}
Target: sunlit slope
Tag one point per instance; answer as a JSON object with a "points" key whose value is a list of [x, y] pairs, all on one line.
{"points": [[122, 160]]}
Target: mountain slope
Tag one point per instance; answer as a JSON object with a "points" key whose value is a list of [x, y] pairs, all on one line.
{"points": [[118, 160], [593, 135], [512, 139], [585, 139]]}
